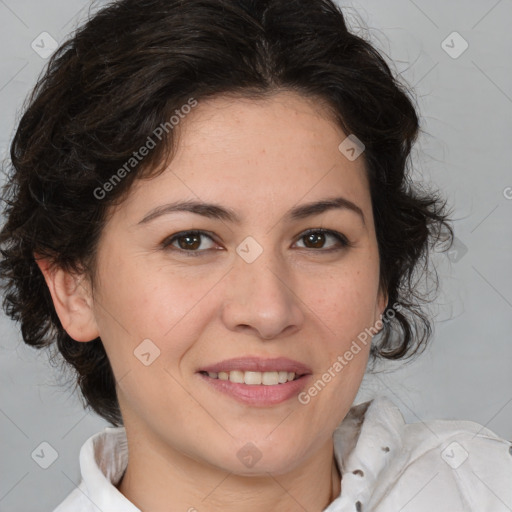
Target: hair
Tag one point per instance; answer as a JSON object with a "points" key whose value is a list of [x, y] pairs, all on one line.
{"points": [[123, 73]]}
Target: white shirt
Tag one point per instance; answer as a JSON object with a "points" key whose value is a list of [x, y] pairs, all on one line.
{"points": [[386, 466]]}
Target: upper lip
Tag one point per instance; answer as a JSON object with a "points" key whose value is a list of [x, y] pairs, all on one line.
{"points": [[258, 364]]}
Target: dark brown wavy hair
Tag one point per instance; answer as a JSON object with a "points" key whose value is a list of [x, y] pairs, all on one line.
{"points": [[125, 72]]}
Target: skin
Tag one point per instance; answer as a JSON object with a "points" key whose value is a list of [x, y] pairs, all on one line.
{"points": [[259, 158]]}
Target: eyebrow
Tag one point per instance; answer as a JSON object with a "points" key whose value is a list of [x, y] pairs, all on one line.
{"points": [[215, 211]]}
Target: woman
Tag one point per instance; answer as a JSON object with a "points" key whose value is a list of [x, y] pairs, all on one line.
{"points": [[210, 216]]}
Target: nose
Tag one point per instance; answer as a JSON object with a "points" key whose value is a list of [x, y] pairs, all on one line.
{"points": [[260, 299]]}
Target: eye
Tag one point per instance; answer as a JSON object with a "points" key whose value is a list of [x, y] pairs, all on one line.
{"points": [[317, 237], [187, 241], [191, 242]]}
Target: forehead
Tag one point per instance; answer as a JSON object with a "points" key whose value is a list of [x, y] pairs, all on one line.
{"points": [[256, 153]]}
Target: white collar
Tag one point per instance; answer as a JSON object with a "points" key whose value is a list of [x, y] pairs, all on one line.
{"points": [[365, 442]]}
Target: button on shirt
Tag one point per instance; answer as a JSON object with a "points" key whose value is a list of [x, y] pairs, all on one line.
{"points": [[386, 465]]}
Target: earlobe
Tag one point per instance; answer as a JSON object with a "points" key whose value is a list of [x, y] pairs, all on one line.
{"points": [[72, 299]]}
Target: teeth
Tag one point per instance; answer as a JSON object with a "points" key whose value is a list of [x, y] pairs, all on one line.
{"points": [[254, 378], [270, 378], [250, 377], [236, 376]]}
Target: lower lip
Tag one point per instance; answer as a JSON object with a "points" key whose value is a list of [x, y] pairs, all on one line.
{"points": [[258, 394]]}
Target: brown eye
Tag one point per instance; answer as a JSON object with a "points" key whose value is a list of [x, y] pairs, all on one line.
{"points": [[188, 242], [316, 239]]}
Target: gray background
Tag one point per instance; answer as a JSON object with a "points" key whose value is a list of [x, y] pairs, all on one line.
{"points": [[465, 149]]}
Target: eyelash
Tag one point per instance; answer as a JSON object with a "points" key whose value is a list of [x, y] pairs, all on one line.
{"points": [[342, 239]]}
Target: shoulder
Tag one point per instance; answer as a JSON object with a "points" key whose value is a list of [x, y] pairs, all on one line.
{"points": [[103, 459], [75, 502], [450, 465]]}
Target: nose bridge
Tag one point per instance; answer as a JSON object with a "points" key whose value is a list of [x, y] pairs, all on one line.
{"points": [[260, 295]]}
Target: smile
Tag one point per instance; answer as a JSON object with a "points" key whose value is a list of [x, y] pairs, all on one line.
{"points": [[254, 378], [256, 381]]}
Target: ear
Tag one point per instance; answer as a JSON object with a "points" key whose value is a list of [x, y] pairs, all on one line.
{"points": [[72, 299], [382, 302]]}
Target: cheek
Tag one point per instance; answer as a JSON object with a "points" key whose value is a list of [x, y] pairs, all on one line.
{"points": [[345, 301], [345, 307], [147, 320], [164, 304], [135, 295]]}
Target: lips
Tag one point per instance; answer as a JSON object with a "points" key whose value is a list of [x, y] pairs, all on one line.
{"points": [[256, 381]]}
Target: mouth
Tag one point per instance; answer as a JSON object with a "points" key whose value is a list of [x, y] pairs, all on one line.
{"points": [[256, 381]]}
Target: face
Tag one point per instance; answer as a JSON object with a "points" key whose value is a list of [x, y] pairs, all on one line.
{"points": [[263, 288]]}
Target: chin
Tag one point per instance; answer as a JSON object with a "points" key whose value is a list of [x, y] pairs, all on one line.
{"points": [[258, 458]]}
